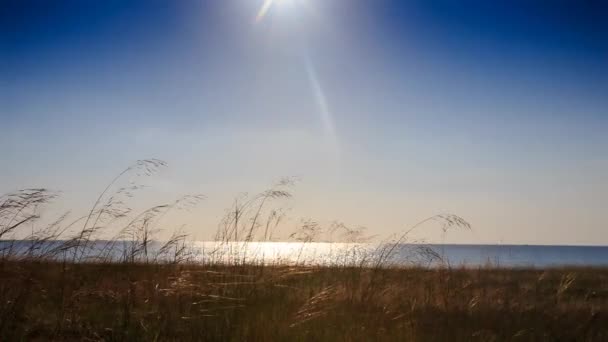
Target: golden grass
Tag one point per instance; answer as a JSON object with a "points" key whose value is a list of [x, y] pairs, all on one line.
{"points": [[50, 289], [43, 300]]}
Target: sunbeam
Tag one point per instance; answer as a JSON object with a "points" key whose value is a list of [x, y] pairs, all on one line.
{"points": [[263, 10], [321, 102], [320, 99]]}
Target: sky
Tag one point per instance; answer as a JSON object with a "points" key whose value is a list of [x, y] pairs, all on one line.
{"points": [[386, 111]]}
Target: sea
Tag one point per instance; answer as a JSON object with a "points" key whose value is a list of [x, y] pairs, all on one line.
{"points": [[323, 253]]}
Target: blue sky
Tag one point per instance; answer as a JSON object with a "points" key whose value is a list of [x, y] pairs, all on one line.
{"points": [[389, 111]]}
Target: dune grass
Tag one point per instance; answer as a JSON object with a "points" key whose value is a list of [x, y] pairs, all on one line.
{"points": [[147, 302], [104, 277]]}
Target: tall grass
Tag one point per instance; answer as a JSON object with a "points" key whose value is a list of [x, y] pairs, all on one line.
{"points": [[67, 280], [117, 301]]}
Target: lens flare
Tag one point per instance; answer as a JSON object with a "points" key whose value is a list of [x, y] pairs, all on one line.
{"points": [[321, 101], [263, 10], [317, 90]]}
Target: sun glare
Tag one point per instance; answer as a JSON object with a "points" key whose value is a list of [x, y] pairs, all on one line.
{"points": [[267, 5], [263, 10]]}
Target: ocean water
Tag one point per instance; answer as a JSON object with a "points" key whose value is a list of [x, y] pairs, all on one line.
{"points": [[332, 254]]}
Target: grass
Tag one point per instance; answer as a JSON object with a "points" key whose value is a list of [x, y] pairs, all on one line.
{"points": [[56, 283], [147, 302]]}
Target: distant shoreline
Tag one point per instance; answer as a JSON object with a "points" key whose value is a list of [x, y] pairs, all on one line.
{"points": [[322, 253]]}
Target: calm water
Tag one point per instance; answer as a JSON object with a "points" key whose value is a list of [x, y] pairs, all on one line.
{"points": [[356, 254]]}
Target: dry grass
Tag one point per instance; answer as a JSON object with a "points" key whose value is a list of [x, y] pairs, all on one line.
{"points": [[57, 284], [60, 301]]}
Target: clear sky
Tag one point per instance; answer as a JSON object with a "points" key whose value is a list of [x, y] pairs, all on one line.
{"points": [[388, 111]]}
